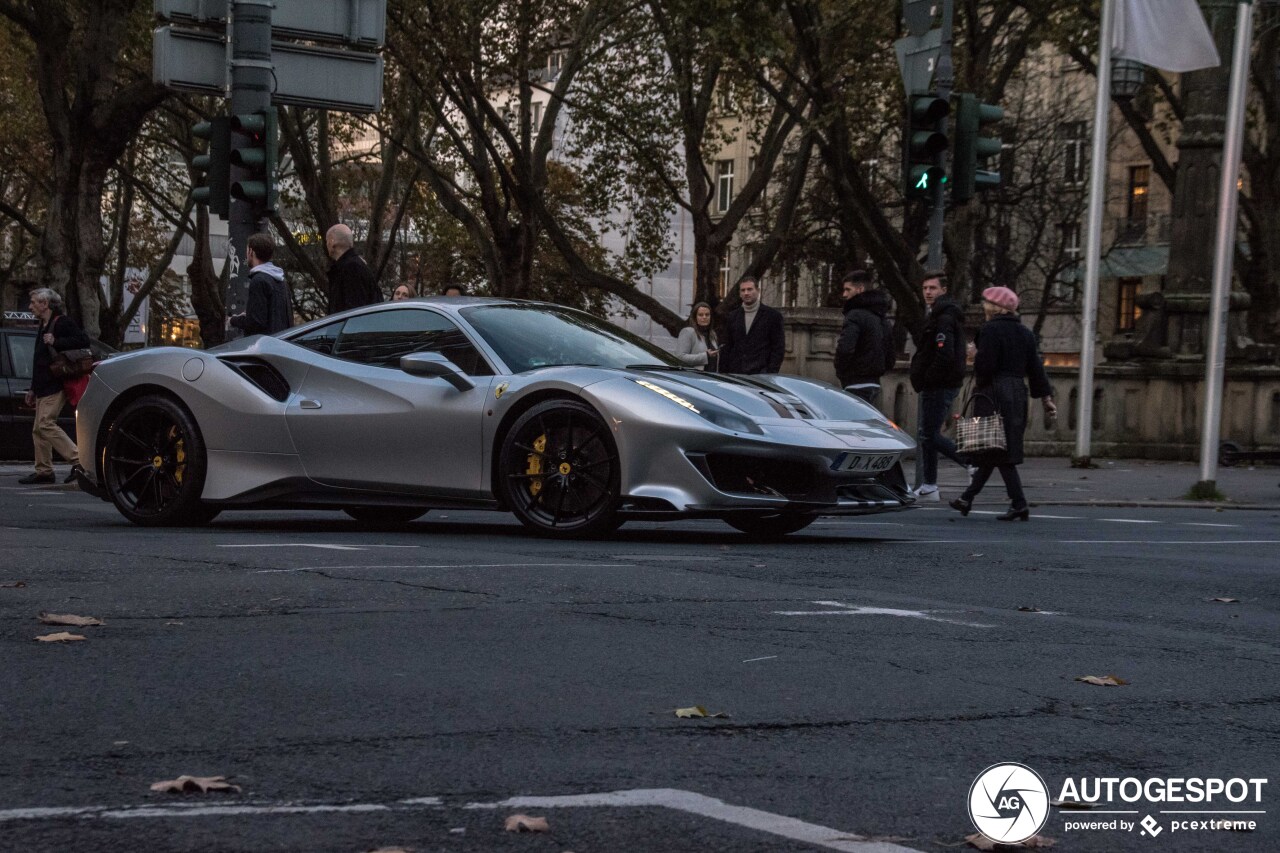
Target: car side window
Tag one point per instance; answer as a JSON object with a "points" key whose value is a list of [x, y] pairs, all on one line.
{"points": [[382, 337], [21, 350], [322, 339]]}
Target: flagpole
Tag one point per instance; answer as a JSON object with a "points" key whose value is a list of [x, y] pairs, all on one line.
{"points": [[1093, 240], [1215, 356]]}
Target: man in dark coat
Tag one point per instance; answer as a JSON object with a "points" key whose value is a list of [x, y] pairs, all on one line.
{"points": [[351, 281], [937, 372], [754, 337], [864, 352], [268, 309]]}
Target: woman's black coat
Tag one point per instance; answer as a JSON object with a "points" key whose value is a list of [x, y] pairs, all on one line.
{"points": [[1007, 356]]}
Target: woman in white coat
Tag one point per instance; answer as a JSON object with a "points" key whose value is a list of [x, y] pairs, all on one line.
{"points": [[697, 345]]}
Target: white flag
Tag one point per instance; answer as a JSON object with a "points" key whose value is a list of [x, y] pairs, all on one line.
{"points": [[1167, 34]]}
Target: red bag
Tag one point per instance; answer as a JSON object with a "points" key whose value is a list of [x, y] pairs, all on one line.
{"points": [[74, 389]]}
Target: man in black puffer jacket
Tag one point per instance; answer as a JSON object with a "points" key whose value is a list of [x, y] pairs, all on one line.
{"points": [[865, 350], [937, 372]]}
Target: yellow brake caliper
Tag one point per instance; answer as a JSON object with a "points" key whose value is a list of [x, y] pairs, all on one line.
{"points": [[180, 456], [535, 464]]}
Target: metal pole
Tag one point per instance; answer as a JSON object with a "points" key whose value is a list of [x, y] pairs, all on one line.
{"points": [[944, 74], [1093, 240], [1224, 251], [252, 82]]}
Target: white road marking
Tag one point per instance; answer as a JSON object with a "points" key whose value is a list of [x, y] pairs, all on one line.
{"points": [[451, 566], [670, 798], [1129, 520], [1061, 517], [1206, 524], [753, 660], [176, 810], [704, 806], [855, 610], [1169, 541], [321, 545]]}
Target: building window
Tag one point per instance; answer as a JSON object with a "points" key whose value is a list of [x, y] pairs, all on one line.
{"points": [[1071, 241], [724, 185], [1127, 310], [1075, 142], [535, 118], [725, 271], [555, 64], [1139, 184]]}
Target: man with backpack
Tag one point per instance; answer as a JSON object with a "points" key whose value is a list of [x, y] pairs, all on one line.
{"points": [[865, 350]]}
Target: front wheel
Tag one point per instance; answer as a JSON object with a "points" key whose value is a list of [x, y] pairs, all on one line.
{"points": [[154, 464], [558, 471], [772, 526]]}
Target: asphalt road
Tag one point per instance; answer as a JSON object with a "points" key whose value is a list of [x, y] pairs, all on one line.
{"points": [[408, 688]]}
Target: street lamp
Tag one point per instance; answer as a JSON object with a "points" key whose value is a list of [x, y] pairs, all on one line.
{"points": [[1127, 78]]}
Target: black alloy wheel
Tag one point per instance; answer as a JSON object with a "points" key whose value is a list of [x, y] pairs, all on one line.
{"points": [[773, 526], [154, 464], [559, 471], [384, 516]]}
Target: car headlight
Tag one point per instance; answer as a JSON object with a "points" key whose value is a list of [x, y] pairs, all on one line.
{"points": [[723, 418]]}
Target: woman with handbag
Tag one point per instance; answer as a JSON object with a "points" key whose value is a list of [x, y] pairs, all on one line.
{"points": [[697, 345], [1006, 359], [58, 335]]}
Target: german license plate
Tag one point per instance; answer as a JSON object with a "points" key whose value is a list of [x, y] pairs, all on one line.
{"points": [[865, 463]]}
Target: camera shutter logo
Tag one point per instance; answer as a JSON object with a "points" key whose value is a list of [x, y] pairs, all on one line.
{"points": [[1009, 803]]}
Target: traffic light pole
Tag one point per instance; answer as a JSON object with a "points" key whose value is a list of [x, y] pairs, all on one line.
{"points": [[944, 77], [249, 40]]}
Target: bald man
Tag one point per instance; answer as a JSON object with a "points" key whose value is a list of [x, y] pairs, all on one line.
{"points": [[351, 281]]}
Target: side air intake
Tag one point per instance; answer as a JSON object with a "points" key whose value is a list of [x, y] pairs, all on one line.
{"points": [[261, 375]]}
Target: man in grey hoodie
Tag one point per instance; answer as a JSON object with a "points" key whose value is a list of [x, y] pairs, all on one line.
{"points": [[269, 309]]}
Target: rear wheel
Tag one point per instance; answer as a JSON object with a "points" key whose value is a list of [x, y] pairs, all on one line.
{"points": [[559, 472], [772, 526], [154, 464], [389, 516]]}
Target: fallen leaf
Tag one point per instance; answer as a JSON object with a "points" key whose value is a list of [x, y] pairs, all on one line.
{"points": [[981, 842], [1028, 609], [1225, 600], [67, 619], [1102, 680], [195, 784], [698, 711], [13, 585], [524, 823], [60, 637]]}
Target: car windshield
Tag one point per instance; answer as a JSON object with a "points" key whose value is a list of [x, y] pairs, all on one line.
{"points": [[527, 337]]}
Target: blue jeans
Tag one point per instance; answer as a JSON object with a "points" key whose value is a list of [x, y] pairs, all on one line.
{"points": [[935, 405]]}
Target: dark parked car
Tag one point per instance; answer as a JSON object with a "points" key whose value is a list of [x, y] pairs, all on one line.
{"points": [[17, 342]]}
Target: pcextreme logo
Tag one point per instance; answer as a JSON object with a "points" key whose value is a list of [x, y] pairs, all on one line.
{"points": [[1010, 803]]}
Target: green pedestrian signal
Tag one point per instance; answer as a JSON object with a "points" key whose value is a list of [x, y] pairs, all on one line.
{"points": [[924, 145], [972, 149]]}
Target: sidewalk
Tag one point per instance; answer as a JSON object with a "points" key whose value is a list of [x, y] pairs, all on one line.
{"points": [[1051, 481]]}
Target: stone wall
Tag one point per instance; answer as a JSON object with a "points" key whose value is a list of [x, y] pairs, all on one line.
{"points": [[1142, 410]]}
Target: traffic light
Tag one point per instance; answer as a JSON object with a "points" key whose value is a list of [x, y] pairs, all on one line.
{"points": [[253, 148], [972, 149], [216, 165], [924, 145]]}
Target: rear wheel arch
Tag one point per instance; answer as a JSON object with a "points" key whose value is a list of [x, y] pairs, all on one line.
{"points": [[117, 406]]}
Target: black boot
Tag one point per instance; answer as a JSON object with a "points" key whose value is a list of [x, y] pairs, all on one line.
{"points": [[38, 479], [75, 469], [962, 505], [1015, 514]]}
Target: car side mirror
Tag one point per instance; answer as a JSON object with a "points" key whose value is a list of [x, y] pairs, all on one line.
{"points": [[434, 364]]}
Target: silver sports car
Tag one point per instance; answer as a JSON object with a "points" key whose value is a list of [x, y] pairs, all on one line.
{"points": [[390, 410]]}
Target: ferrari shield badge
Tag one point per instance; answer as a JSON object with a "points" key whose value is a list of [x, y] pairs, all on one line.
{"points": [[500, 390]]}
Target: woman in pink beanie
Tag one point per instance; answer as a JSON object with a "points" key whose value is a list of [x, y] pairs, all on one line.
{"points": [[1007, 356]]}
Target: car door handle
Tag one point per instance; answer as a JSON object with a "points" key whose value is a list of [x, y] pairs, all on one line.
{"points": [[309, 404]]}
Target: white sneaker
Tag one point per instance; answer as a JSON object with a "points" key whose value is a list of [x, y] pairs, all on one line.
{"points": [[928, 493]]}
